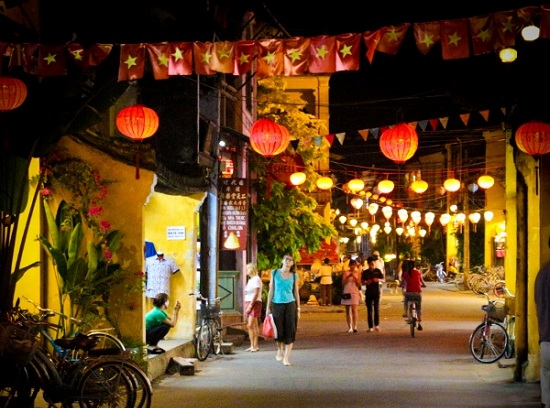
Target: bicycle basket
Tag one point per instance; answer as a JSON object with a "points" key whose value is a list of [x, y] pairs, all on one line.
{"points": [[17, 345], [498, 312], [210, 307]]}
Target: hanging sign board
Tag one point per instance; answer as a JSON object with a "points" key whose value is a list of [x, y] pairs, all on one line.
{"points": [[234, 213]]}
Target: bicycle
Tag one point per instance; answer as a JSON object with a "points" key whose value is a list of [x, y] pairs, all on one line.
{"points": [[494, 337], [209, 337], [412, 315]]}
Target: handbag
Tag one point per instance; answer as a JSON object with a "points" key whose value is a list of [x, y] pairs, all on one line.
{"points": [[269, 330], [346, 296]]}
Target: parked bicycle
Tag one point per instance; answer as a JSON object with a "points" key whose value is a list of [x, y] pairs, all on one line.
{"points": [[494, 338], [209, 333]]}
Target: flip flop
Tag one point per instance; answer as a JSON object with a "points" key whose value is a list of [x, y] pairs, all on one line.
{"points": [[157, 350]]}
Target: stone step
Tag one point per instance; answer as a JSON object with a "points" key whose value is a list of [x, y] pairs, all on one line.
{"points": [[183, 366]]}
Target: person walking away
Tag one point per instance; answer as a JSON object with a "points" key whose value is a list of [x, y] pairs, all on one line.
{"points": [[542, 301], [380, 265], [158, 271], [370, 278], [283, 302], [351, 285], [325, 273], [412, 286], [157, 322], [253, 305]]}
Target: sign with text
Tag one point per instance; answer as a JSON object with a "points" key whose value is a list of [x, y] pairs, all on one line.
{"points": [[175, 233], [282, 166], [234, 214]]}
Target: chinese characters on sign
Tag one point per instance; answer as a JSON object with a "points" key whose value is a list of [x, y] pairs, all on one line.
{"points": [[234, 211]]}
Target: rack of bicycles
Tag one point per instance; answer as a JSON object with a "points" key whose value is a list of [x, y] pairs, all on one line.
{"points": [[85, 370]]}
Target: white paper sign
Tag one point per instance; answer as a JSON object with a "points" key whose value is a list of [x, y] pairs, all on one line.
{"points": [[175, 233]]}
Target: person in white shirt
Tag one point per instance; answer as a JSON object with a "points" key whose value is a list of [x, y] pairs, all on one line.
{"points": [[379, 263], [253, 305], [325, 273], [158, 271]]}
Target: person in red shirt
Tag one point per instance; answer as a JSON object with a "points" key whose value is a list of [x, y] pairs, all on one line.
{"points": [[412, 286]]}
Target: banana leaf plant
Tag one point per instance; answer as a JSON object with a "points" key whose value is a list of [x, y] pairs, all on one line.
{"points": [[85, 274]]}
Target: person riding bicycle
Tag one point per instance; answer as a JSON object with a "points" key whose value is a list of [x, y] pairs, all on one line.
{"points": [[412, 286]]}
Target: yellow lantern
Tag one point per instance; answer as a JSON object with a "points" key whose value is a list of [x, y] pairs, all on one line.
{"points": [[474, 219], [444, 219], [356, 203], [324, 183], [356, 185], [451, 185], [419, 186], [488, 215], [387, 211], [385, 186], [297, 178], [485, 181]]}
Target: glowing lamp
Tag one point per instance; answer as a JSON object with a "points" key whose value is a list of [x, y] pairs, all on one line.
{"points": [[137, 122], [530, 32], [508, 55], [473, 187], [269, 138], [444, 219], [416, 216], [356, 185], [422, 233], [343, 219], [486, 181], [232, 241], [403, 215], [356, 203], [353, 222], [385, 186], [399, 231], [13, 93], [387, 211], [365, 225], [460, 218], [297, 178], [324, 183], [488, 215], [474, 219], [429, 218], [419, 186], [372, 208], [399, 143], [387, 229], [451, 185]]}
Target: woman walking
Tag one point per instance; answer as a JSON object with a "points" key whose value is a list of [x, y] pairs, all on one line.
{"points": [[351, 285], [253, 305], [283, 301]]}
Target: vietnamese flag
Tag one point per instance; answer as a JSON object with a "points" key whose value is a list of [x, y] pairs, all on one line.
{"points": [[202, 54], [181, 58], [223, 54], [482, 32], [245, 52], [295, 52], [99, 53], [347, 52], [391, 38], [506, 28], [132, 62], [455, 39], [52, 60], [270, 58], [371, 40], [159, 56], [79, 55], [426, 35], [322, 54]]}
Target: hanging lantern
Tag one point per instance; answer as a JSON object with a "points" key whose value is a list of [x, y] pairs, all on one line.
{"points": [[533, 138], [298, 178], [385, 186], [473, 187], [12, 93], [403, 215], [137, 122], [387, 211], [451, 185], [356, 185], [372, 208], [429, 218], [353, 222], [474, 219], [488, 215], [399, 231], [356, 203], [365, 225], [343, 219], [422, 232], [399, 143], [387, 229], [269, 138], [419, 186], [444, 219], [486, 181], [324, 183], [416, 216]]}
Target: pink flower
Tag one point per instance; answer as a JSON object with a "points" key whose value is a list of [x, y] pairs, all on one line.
{"points": [[97, 178], [95, 211], [107, 255], [46, 192], [104, 226], [103, 192]]}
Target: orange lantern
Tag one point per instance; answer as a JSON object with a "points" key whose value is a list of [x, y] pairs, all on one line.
{"points": [[324, 183], [485, 181], [137, 122], [12, 93], [399, 143], [356, 185], [269, 138], [419, 186], [385, 186], [533, 138]]}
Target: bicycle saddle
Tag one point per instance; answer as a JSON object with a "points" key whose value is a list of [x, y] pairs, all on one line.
{"points": [[79, 342]]}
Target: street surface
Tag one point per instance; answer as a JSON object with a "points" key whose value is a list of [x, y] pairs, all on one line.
{"points": [[334, 368]]}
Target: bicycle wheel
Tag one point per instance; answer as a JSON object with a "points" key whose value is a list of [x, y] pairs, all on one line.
{"points": [[217, 333], [16, 387], [510, 330], [412, 324], [106, 384], [203, 342], [141, 385], [107, 344], [488, 345]]}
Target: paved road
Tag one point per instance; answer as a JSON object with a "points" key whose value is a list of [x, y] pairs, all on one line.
{"points": [[333, 368]]}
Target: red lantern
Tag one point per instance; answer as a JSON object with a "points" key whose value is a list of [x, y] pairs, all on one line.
{"points": [[533, 138], [12, 93], [399, 143], [137, 122], [268, 138]]}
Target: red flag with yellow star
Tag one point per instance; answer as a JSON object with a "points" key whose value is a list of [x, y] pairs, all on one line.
{"points": [[52, 60], [322, 54], [181, 58], [455, 40], [245, 52], [482, 33], [202, 54], [391, 38], [347, 54], [99, 53], [132, 62], [506, 28], [79, 55], [295, 55], [371, 40], [270, 59], [223, 53], [426, 35], [159, 55]]}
